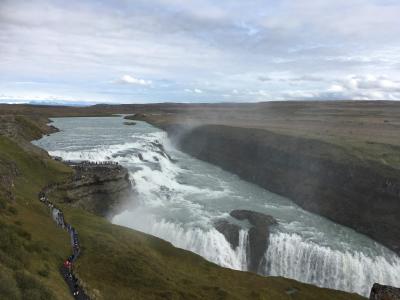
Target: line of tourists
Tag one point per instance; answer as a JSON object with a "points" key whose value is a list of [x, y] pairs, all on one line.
{"points": [[90, 163], [67, 267]]}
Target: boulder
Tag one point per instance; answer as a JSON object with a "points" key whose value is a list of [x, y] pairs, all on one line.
{"points": [[230, 231], [256, 219], [384, 292], [258, 235]]}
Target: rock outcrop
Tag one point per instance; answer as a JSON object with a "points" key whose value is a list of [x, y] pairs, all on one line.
{"points": [[384, 292], [98, 188], [258, 234], [320, 177], [230, 231]]}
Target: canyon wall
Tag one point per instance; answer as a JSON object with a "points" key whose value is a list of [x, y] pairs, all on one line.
{"points": [[320, 177]]}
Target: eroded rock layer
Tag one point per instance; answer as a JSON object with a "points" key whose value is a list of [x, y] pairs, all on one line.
{"points": [[99, 188]]}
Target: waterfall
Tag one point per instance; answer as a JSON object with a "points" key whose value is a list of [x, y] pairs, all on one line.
{"points": [[290, 256], [208, 243]]}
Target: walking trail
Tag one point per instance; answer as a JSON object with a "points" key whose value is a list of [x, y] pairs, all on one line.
{"points": [[66, 269]]}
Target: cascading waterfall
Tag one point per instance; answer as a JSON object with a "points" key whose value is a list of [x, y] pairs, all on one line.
{"points": [[180, 201], [290, 256], [208, 243]]}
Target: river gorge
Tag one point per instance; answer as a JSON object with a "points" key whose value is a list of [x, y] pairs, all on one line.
{"points": [[179, 199]]}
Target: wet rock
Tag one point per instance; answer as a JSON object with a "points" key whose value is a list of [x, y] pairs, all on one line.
{"points": [[258, 235], [130, 123], [256, 219], [384, 292], [160, 150], [230, 231], [99, 188]]}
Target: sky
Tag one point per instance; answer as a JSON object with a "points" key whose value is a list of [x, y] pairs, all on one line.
{"points": [[147, 51]]}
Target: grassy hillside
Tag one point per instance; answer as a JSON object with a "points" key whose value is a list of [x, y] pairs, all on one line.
{"points": [[31, 247], [116, 263]]}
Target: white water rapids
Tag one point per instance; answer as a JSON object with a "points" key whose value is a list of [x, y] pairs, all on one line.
{"points": [[180, 199]]}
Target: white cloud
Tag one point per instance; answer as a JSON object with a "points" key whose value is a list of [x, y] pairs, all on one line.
{"points": [[195, 91], [258, 93], [367, 87], [127, 79], [336, 88], [372, 82], [354, 87]]}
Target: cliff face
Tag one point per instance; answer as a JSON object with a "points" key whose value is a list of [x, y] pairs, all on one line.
{"points": [[98, 188], [320, 177]]}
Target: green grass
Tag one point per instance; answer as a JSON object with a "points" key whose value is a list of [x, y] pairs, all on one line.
{"points": [[116, 262], [29, 241], [368, 151]]}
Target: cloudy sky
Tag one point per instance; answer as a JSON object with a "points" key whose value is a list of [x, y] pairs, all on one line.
{"points": [[199, 50]]}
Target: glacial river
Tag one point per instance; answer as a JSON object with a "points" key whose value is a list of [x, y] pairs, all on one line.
{"points": [[179, 199]]}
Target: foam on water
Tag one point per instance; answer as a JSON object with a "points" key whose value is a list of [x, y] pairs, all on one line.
{"points": [[291, 256], [180, 201], [209, 243]]}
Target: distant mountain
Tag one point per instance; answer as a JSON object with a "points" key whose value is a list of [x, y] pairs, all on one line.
{"points": [[62, 103]]}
